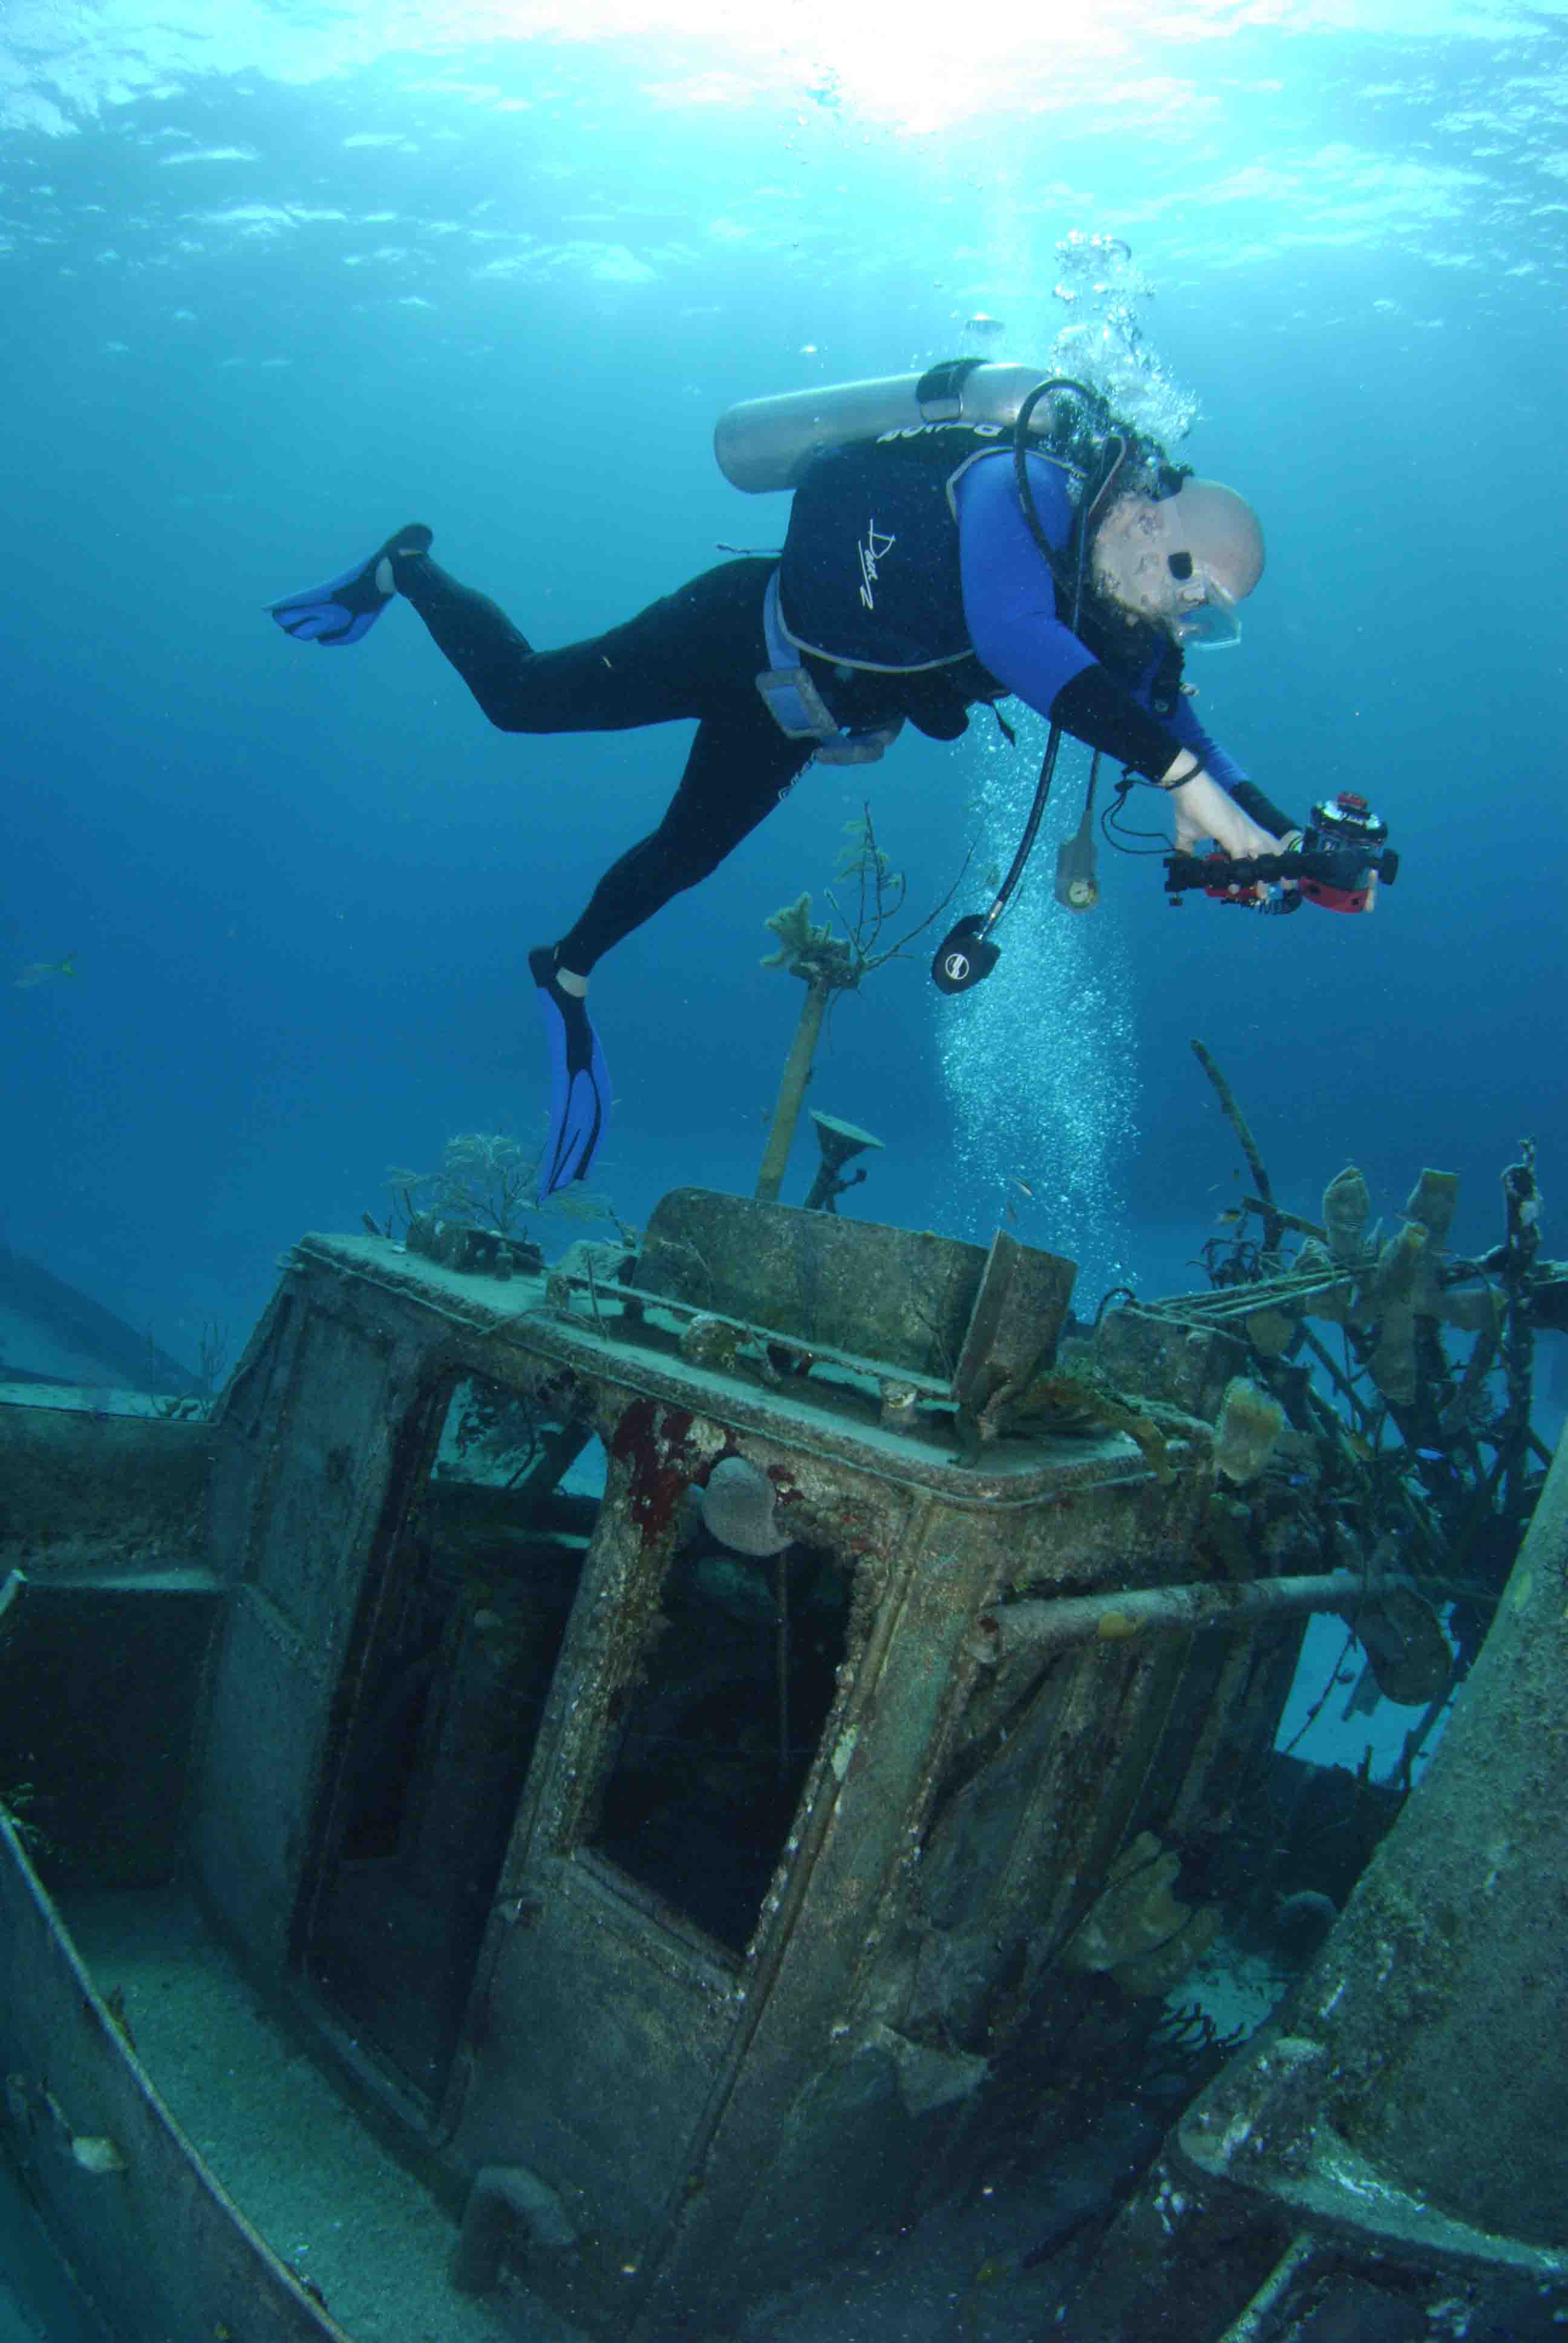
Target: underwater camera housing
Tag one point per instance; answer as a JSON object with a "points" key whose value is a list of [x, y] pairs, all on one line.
{"points": [[1337, 865], [1350, 829]]}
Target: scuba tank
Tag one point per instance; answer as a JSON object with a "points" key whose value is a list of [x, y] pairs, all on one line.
{"points": [[764, 444]]}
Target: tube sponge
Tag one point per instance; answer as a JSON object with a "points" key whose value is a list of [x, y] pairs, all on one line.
{"points": [[1432, 1201], [1346, 1204], [1248, 1431]]}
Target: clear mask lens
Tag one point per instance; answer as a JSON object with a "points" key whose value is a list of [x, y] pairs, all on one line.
{"points": [[1205, 617]]}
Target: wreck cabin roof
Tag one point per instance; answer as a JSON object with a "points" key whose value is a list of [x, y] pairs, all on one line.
{"points": [[638, 1337]]}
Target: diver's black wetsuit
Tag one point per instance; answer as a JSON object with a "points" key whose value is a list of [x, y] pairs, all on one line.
{"points": [[694, 654], [889, 611]]}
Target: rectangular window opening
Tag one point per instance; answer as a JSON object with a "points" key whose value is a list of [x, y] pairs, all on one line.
{"points": [[469, 1616], [718, 1737]]}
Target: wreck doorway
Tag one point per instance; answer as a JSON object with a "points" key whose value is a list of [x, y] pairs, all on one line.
{"points": [[445, 1689]]}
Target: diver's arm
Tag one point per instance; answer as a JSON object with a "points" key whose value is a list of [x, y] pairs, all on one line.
{"points": [[1233, 777], [1185, 728], [1097, 711], [1203, 809], [1202, 797], [1009, 609]]}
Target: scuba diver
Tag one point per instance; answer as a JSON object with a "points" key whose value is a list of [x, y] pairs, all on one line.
{"points": [[939, 559]]}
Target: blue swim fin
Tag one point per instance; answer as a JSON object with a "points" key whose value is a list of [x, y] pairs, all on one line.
{"points": [[346, 608], [579, 1080]]}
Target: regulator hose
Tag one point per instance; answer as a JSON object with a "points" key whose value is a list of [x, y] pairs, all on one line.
{"points": [[966, 953]]}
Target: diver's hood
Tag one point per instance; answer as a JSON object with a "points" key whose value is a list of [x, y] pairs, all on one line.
{"points": [[1181, 562]]}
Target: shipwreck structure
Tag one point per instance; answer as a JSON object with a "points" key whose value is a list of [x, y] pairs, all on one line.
{"points": [[674, 1729]]}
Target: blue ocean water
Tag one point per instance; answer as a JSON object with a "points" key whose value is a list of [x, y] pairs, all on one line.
{"points": [[276, 278], [275, 281]]}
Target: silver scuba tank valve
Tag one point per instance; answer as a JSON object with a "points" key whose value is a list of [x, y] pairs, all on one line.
{"points": [[765, 444]]}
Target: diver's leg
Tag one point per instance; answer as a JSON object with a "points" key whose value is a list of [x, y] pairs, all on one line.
{"points": [[691, 651], [697, 653], [740, 766]]}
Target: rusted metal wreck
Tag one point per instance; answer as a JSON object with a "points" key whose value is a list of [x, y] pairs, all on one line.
{"points": [[675, 1729]]}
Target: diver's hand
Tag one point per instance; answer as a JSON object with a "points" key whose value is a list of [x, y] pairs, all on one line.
{"points": [[1203, 810]]}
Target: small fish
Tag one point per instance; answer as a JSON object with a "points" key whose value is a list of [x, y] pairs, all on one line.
{"points": [[1229, 1217], [984, 324], [1028, 1191], [1431, 1456], [1360, 1446], [39, 971]]}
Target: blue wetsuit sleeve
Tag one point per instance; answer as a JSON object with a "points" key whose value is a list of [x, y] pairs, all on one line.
{"points": [[1219, 761], [1009, 594], [1009, 609]]}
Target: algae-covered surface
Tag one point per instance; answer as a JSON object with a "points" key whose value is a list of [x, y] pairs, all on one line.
{"points": [[248, 2093], [243, 2084]]}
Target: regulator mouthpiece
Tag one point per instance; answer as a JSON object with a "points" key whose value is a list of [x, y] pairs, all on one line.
{"points": [[965, 955]]}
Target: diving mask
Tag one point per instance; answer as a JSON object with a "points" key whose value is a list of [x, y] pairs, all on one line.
{"points": [[1202, 616]]}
